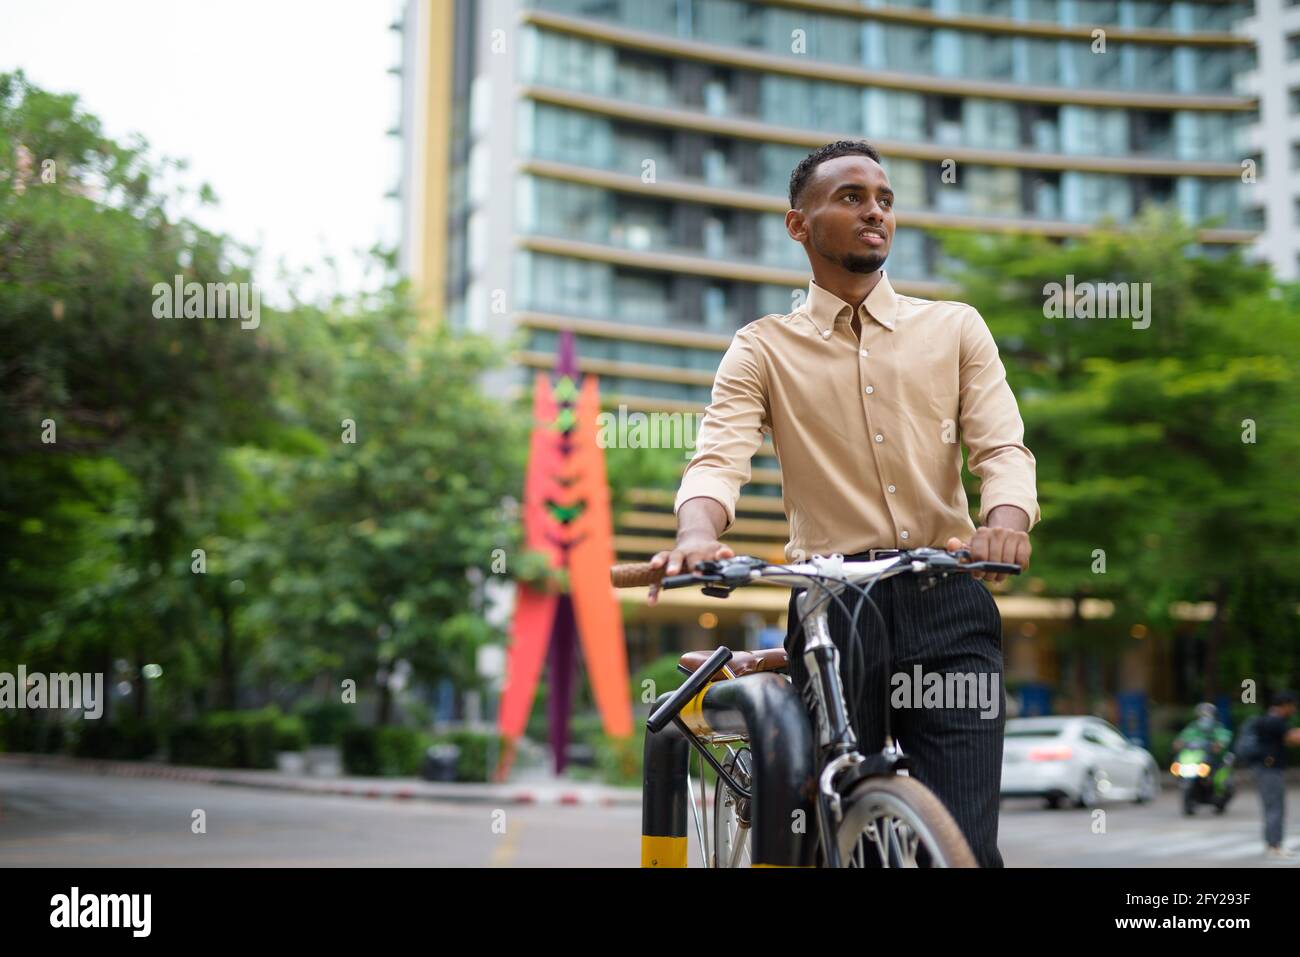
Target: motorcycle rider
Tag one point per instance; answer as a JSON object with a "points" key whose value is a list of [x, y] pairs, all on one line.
{"points": [[1206, 731]]}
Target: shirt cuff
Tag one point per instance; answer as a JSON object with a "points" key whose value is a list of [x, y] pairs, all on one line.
{"points": [[1027, 505], [706, 486]]}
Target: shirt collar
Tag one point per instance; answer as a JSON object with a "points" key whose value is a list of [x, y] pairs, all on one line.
{"points": [[824, 308]]}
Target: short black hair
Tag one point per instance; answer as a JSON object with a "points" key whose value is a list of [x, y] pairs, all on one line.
{"points": [[803, 172]]}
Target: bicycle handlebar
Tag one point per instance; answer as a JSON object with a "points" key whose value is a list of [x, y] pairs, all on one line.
{"points": [[740, 570]]}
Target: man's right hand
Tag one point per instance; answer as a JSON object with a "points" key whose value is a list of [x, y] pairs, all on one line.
{"points": [[687, 554]]}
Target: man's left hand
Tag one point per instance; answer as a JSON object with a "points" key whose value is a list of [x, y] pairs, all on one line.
{"points": [[1004, 539]]}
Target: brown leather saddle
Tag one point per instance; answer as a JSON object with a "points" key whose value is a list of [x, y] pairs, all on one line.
{"points": [[742, 662]]}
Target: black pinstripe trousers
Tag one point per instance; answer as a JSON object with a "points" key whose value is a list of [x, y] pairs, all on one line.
{"points": [[952, 628]]}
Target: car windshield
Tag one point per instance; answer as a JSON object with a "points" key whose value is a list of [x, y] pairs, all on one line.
{"points": [[1039, 732]]}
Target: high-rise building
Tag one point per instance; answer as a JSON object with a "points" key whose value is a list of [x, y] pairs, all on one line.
{"points": [[1274, 143], [620, 168]]}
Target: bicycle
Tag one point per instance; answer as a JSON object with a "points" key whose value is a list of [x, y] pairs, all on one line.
{"points": [[800, 753]]}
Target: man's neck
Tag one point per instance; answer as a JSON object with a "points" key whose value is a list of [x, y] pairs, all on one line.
{"points": [[852, 287]]}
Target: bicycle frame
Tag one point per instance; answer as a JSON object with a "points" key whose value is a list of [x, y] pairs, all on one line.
{"points": [[805, 755]]}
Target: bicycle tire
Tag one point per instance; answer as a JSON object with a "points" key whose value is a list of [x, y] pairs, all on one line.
{"points": [[912, 801], [725, 803]]}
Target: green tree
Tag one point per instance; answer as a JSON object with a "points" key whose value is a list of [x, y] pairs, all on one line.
{"points": [[1145, 458]]}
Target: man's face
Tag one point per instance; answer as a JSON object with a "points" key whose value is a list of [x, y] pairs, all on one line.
{"points": [[847, 214]]}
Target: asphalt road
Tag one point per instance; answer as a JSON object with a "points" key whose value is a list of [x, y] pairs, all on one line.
{"points": [[66, 818]]}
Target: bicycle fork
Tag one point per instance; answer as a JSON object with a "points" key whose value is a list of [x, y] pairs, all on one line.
{"points": [[843, 764]]}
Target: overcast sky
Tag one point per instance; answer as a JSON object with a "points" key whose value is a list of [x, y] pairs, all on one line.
{"points": [[280, 105]]}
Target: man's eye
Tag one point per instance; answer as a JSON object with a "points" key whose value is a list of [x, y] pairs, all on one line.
{"points": [[886, 202], [851, 196]]}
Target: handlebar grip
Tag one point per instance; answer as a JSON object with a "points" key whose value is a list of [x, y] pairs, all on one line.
{"points": [[1003, 568], [702, 675], [632, 574]]}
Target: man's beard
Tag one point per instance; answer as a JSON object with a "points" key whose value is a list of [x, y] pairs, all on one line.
{"points": [[853, 262]]}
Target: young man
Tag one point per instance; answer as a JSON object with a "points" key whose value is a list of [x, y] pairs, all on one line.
{"points": [[1275, 735], [864, 392]]}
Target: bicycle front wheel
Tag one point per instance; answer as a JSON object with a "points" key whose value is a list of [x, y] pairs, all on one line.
{"points": [[731, 815], [898, 822]]}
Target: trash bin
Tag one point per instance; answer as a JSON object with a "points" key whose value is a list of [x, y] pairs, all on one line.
{"points": [[440, 763]]}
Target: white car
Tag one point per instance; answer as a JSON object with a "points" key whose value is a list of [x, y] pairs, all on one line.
{"points": [[1079, 759]]}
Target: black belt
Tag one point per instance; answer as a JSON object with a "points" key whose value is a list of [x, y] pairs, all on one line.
{"points": [[874, 554]]}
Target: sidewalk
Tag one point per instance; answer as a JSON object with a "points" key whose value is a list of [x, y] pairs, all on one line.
{"points": [[541, 791]]}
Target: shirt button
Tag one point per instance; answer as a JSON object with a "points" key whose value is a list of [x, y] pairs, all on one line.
{"points": [[879, 437], [826, 333], [892, 489], [864, 353], [903, 535], [870, 389]]}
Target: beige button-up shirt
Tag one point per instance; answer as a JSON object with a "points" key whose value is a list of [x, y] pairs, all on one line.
{"points": [[866, 427]]}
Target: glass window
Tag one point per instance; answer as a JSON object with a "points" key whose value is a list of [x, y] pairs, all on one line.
{"points": [[986, 56], [1103, 70], [1045, 193], [1218, 199], [642, 297], [907, 257], [819, 105], [895, 114], [571, 136], [1044, 62], [1096, 12], [779, 300], [1044, 10], [986, 8], [1089, 197], [1213, 16], [775, 247], [1090, 131], [643, 79], [1214, 70], [640, 223], [634, 145], [993, 190], [716, 313], [909, 49], [726, 21], [562, 285], [1152, 13], [907, 177], [991, 124], [569, 62]]}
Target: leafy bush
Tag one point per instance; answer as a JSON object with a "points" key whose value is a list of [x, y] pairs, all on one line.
{"points": [[290, 733], [477, 749], [620, 759], [326, 721], [383, 752], [228, 739], [126, 739], [664, 676], [28, 733]]}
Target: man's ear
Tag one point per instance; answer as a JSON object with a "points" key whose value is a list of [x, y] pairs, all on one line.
{"points": [[796, 225]]}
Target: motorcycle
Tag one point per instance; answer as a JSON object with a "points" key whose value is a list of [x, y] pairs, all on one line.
{"points": [[1201, 780]]}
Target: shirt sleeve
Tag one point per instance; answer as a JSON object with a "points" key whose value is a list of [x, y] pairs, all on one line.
{"points": [[991, 426], [731, 432]]}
